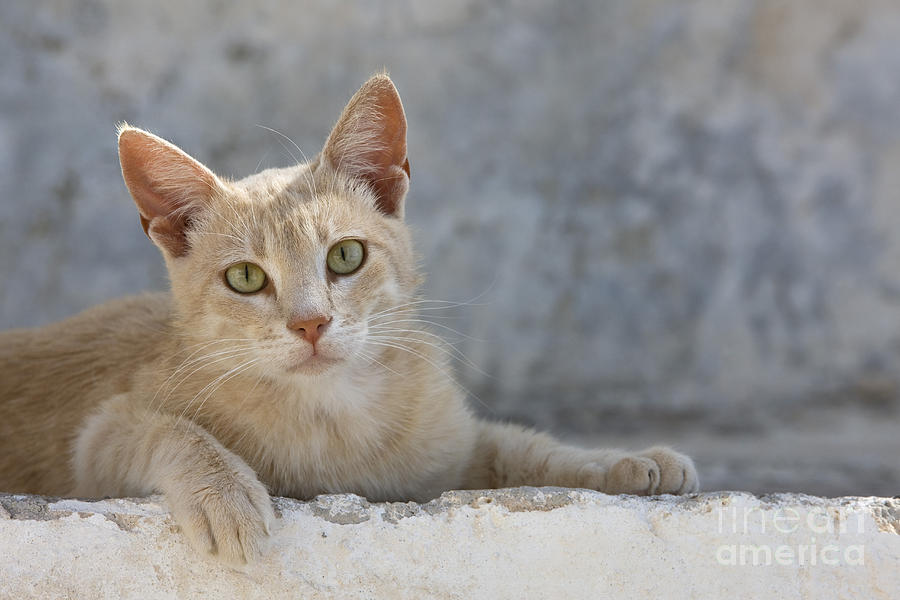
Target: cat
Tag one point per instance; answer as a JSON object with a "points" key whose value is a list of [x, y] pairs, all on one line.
{"points": [[288, 358]]}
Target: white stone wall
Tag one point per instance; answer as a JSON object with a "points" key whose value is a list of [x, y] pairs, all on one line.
{"points": [[518, 543]]}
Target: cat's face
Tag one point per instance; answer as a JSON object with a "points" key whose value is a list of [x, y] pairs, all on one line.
{"points": [[285, 223], [282, 272]]}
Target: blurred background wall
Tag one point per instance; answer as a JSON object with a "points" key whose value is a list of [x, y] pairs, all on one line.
{"points": [[674, 217]]}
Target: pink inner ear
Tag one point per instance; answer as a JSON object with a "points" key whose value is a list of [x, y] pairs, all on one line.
{"points": [[369, 142], [391, 188], [167, 185]]}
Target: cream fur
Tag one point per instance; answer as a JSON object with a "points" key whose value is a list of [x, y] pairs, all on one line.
{"points": [[205, 395]]}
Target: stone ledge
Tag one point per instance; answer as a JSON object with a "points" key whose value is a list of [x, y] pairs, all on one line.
{"points": [[515, 543]]}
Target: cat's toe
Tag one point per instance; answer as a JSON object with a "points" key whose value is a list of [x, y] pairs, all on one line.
{"points": [[592, 476], [637, 475], [677, 474], [194, 524], [240, 529], [230, 519]]}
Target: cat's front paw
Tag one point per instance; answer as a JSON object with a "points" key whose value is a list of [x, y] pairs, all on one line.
{"points": [[656, 470], [226, 514]]}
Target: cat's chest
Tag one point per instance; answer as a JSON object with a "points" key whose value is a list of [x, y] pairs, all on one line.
{"points": [[334, 439]]}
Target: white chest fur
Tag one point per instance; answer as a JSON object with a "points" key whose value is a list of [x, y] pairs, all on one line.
{"points": [[326, 435]]}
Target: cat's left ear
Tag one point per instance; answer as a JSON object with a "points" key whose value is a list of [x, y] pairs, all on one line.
{"points": [[169, 187], [369, 143]]}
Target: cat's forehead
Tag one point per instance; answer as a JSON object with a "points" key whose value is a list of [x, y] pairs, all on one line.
{"points": [[295, 183], [294, 208], [302, 188]]}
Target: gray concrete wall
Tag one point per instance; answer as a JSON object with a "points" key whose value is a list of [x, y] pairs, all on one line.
{"points": [[673, 205]]}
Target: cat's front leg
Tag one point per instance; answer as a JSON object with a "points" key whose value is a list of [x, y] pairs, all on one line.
{"points": [[509, 455], [215, 497]]}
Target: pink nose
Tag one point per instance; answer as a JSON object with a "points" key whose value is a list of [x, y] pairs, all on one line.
{"points": [[311, 329]]}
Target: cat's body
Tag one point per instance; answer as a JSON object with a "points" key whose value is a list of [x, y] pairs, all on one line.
{"points": [[345, 432], [288, 359]]}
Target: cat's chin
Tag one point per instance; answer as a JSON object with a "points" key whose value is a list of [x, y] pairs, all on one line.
{"points": [[313, 365]]}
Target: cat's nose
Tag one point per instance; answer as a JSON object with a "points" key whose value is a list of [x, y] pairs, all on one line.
{"points": [[311, 329]]}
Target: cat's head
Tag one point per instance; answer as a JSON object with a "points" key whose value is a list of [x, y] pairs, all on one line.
{"points": [[286, 267]]}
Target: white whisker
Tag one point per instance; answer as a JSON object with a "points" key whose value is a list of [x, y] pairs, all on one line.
{"points": [[310, 182], [426, 322], [440, 368], [223, 356], [453, 352], [222, 380]]}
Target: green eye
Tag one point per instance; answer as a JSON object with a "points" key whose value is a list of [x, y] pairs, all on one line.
{"points": [[245, 278], [346, 256]]}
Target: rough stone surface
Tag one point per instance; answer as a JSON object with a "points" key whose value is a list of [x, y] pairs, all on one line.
{"points": [[516, 543], [675, 213]]}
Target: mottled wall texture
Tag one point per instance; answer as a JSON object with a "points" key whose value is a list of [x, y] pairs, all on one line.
{"points": [[676, 205]]}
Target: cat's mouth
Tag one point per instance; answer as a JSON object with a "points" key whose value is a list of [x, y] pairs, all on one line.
{"points": [[312, 365], [303, 358]]}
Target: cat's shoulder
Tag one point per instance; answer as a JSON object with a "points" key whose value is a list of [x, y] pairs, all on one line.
{"points": [[127, 331], [148, 312], [149, 305], [143, 315], [137, 309]]}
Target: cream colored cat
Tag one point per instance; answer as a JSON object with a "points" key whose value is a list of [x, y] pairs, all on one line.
{"points": [[287, 359]]}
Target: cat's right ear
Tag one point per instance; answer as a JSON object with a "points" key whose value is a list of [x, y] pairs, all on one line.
{"points": [[168, 186]]}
